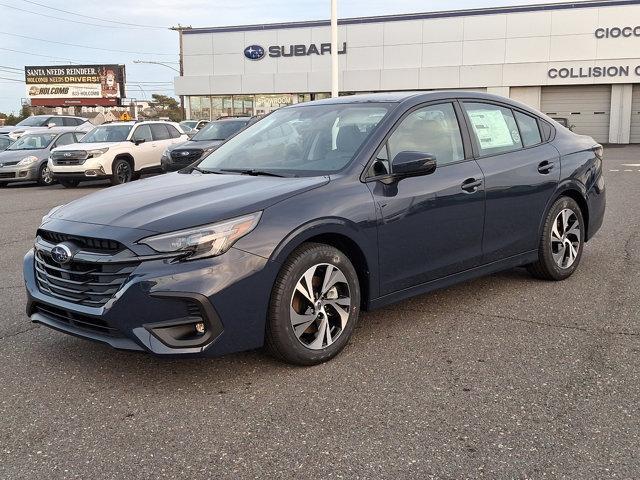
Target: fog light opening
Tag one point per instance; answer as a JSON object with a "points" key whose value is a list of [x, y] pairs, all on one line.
{"points": [[200, 328]]}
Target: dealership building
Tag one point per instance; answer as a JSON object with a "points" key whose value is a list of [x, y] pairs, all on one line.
{"points": [[579, 61]]}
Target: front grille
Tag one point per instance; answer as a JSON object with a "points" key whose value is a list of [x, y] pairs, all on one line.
{"points": [[85, 243], [69, 157], [78, 320], [186, 157], [87, 283], [7, 175]]}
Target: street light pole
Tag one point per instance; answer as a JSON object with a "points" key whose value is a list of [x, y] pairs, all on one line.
{"points": [[181, 29], [334, 48]]}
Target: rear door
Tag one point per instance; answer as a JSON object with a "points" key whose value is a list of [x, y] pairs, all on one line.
{"points": [[521, 173], [429, 226], [161, 140]]}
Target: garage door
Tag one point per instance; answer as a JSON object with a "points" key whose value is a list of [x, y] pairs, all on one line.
{"points": [[585, 106], [635, 115]]}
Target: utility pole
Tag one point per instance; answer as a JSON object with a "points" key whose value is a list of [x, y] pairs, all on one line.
{"points": [[180, 29], [334, 49]]}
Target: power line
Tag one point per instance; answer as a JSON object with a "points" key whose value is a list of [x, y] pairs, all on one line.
{"points": [[84, 46], [94, 18], [12, 79], [12, 68], [40, 55], [62, 19]]}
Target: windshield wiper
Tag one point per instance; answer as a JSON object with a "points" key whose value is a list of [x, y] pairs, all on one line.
{"points": [[251, 171], [198, 169]]}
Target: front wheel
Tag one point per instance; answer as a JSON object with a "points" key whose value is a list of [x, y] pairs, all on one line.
{"points": [[44, 176], [560, 246], [122, 172], [315, 304]]}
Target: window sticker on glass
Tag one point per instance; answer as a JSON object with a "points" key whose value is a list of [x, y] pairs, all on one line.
{"points": [[491, 128]]}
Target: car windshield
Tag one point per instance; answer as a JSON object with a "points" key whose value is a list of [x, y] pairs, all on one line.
{"points": [[301, 140], [33, 122], [220, 130], [107, 133], [33, 141]]}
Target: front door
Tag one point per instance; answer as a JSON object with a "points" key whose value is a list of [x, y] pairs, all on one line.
{"points": [[144, 153], [521, 174], [429, 226]]}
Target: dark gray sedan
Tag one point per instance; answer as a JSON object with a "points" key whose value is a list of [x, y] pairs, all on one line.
{"points": [[26, 159]]}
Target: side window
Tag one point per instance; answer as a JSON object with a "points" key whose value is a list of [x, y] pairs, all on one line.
{"points": [[433, 130], [494, 127], [79, 135], [159, 131], [546, 130], [57, 121], [65, 139], [143, 132], [529, 130], [69, 122], [173, 132]]}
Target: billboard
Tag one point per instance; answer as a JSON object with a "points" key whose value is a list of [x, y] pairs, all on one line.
{"points": [[61, 85]]}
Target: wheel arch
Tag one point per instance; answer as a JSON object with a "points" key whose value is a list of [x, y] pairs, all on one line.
{"points": [[344, 236], [124, 156], [575, 191]]}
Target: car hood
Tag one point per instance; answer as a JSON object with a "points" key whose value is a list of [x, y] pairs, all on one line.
{"points": [[9, 129], [176, 200], [86, 146], [16, 155], [194, 144]]}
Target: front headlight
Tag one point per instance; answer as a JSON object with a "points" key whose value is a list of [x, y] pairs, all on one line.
{"points": [[205, 241], [97, 152], [27, 161], [51, 212]]}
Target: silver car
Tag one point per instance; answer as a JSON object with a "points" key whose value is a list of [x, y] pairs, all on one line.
{"points": [[25, 160], [41, 123]]}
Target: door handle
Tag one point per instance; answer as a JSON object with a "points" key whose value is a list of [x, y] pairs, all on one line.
{"points": [[545, 167], [471, 185]]}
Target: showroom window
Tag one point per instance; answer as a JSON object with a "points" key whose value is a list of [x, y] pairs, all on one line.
{"points": [[494, 127]]}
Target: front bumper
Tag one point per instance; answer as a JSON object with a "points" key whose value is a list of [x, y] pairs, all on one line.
{"points": [[15, 173], [161, 298]]}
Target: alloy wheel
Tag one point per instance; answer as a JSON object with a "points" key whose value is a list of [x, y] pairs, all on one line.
{"points": [[320, 306], [123, 172], [565, 238], [45, 176]]}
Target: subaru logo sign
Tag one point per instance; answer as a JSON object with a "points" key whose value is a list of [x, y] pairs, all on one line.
{"points": [[61, 254], [254, 52], [185, 153], [67, 154]]}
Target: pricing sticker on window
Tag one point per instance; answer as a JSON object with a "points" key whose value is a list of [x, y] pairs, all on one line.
{"points": [[491, 128]]}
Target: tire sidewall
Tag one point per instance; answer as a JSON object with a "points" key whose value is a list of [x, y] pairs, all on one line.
{"points": [[41, 180], [547, 257], [114, 177], [280, 320]]}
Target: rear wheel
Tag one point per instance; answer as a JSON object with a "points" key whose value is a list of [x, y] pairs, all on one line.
{"points": [[121, 172], [561, 243], [67, 183], [315, 304], [44, 176]]}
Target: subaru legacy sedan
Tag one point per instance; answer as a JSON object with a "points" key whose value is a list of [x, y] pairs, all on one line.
{"points": [[281, 236]]}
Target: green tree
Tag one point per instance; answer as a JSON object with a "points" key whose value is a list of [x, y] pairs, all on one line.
{"points": [[169, 106]]}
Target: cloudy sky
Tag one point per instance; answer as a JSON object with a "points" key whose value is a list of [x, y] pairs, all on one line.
{"points": [[45, 32]]}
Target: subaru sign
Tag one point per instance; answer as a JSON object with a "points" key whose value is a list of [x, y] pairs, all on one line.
{"points": [[254, 52]]}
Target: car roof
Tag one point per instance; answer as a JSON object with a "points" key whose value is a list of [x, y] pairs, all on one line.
{"points": [[53, 130], [133, 123], [396, 97]]}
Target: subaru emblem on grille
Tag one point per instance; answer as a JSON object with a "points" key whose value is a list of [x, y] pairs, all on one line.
{"points": [[67, 154], [61, 254], [185, 153]]}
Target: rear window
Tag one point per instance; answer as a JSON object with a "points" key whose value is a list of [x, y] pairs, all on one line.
{"points": [[529, 130], [494, 128]]}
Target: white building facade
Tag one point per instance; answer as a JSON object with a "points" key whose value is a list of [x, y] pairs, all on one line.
{"points": [[579, 61]]}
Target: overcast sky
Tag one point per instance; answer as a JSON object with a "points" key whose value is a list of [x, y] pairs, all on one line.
{"points": [[119, 43]]}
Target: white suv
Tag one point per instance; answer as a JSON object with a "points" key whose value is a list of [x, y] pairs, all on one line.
{"points": [[119, 151]]}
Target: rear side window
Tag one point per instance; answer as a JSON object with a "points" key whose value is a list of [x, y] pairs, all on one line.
{"points": [[546, 130], [159, 131], [494, 128], [57, 121], [529, 130], [173, 131]]}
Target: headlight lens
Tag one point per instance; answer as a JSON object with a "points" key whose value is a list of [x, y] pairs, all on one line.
{"points": [[51, 212], [205, 241], [27, 161], [97, 152]]}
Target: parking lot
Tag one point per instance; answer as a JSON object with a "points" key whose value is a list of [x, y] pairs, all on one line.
{"points": [[502, 377]]}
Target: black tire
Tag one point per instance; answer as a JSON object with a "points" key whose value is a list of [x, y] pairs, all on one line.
{"points": [[68, 183], [122, 172], [44, 176], [280, 339], [546, 267]]}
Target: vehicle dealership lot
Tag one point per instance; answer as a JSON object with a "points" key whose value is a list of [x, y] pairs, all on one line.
{"points": [[502, 377]]}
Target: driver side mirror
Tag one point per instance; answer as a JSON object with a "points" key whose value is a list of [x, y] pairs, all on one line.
{"points": [[138, 141], [51, 124], [413, 164]]}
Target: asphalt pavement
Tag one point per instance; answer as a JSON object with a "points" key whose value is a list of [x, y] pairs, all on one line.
{"points": [[501, 377]]}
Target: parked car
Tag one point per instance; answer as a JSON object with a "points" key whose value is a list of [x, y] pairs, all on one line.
{"points": [[5, 141], [202, 143], [194, 124], [26, 159], [118, 151], [374, 199], [38, 123]]}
